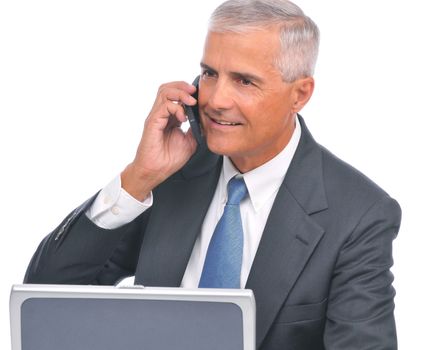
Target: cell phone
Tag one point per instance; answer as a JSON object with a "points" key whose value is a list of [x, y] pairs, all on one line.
{"points": [[193, 115]]}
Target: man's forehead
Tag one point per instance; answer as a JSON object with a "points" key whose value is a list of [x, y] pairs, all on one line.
{"points": [[252, 36], [245, 51]]}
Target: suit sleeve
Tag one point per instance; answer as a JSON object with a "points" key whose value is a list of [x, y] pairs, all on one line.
{"points": [[361, 301], [80, 252]]}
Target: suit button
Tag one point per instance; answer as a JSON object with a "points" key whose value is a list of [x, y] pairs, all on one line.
{"points": [[115, 210]]}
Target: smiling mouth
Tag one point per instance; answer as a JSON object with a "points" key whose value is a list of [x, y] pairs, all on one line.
{"points": [[222, 122]]}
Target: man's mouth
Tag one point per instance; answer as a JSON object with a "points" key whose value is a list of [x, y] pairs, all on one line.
{"points": [[223, 122]]}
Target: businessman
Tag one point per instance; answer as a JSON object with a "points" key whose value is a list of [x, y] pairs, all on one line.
{"points": [[258, 204]]}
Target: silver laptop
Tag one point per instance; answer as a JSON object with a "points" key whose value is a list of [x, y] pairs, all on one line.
{"points": [[66, 317]]}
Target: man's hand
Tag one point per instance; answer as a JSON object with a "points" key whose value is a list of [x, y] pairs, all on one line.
{"points": [[164, 148]]}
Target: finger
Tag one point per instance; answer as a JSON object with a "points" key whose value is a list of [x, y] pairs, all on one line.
{"points": [[191, 139], [175, 109], [173, 122], [181, 85], [160, 116], [181, 96]]}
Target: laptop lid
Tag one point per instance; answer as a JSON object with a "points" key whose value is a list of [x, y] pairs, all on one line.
{"points": [[66, 317]]}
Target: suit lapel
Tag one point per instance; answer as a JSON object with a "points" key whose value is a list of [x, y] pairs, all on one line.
{"points": [[290, 235], [175, 222], [288, 241]]}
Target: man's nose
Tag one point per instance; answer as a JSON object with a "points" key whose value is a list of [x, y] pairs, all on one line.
{"points": [[221, 96]]}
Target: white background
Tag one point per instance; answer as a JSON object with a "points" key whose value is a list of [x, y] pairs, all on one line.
{"points": [[77, 79]]}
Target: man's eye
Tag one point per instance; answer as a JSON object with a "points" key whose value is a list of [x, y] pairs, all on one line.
{"points": [[207, 73], [245, 82]]}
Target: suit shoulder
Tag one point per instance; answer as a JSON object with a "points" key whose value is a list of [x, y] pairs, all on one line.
{"points": [[346, 184], [354, 198]]}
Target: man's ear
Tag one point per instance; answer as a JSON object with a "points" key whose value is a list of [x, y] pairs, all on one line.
{"points": [[303, 89]]}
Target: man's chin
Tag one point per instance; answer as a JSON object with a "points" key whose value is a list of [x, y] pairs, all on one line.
{"points": [[217, 149], [220, 148]]}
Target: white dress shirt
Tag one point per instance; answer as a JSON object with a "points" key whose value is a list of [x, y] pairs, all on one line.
{"points": [[114, 207]]}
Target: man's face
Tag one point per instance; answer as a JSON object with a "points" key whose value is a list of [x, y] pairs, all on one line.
{"points": [[247, 110]]}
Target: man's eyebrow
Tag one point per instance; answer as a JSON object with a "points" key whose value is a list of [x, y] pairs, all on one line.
{"points": [[243, 75], [205, 66]]}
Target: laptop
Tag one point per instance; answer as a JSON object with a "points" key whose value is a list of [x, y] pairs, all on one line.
{"points": [[72, 317]]}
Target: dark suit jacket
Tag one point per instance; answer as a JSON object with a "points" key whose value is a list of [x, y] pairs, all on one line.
{"points": [[321, 276]]}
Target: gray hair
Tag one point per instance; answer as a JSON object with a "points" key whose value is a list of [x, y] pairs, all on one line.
{"points": [[299, 35]]}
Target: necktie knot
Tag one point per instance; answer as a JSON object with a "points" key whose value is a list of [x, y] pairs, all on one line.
{"points": [[237, 190]]}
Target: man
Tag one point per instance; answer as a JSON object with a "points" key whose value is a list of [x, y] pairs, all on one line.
{"points": [[310, 235]]}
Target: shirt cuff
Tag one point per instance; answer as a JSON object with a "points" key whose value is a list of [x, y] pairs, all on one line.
{"points": [[114, 207]]}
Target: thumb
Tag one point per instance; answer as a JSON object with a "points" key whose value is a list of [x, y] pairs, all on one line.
{"points": [[192, 142]]}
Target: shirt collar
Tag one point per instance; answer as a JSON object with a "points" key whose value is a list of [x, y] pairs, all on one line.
{"points": [[264, 181]]}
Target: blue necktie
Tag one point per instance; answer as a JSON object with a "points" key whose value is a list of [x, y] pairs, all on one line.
{"points": [[222, 267]]}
